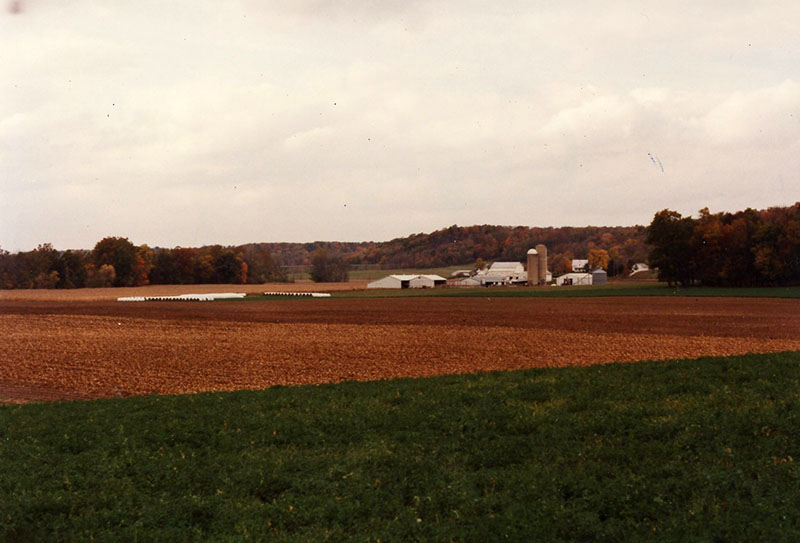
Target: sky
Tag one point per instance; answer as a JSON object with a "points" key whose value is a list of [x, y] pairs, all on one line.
{"points": [[193, 122]]}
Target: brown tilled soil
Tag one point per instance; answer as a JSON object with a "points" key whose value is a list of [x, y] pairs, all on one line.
{"points": [[77, 350]]}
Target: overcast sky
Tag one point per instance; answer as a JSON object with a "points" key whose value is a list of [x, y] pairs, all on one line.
{"points": [[192, 122]]}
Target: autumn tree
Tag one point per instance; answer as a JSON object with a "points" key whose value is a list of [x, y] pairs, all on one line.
{"points": [[598, 259]]}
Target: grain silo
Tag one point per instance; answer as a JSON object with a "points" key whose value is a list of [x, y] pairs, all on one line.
{"points": [[533, 267], [542, 250]]}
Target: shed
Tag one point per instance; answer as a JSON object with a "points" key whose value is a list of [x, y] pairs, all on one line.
{"points": [[408, 281], [427, 281], [468, 282], [599, 277], [392, 281], [574, 279]]}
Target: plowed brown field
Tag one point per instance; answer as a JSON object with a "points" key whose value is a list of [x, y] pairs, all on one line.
{"points": [[80, 350]]}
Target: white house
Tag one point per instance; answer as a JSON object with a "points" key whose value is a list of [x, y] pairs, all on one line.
{"points": [[580, 265]]}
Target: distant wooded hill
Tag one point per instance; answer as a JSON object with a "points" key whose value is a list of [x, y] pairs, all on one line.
{"points": [[616, 247]]}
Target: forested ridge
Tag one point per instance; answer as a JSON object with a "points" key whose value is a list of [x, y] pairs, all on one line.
{"points": [[749, 247]]}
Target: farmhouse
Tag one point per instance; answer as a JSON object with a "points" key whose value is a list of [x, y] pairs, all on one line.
{"points": [[408, 281], [580, 265]]}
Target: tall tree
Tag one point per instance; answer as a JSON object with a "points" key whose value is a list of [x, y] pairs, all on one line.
{"points": [[327, 269], [670, 236], [122, 255]]}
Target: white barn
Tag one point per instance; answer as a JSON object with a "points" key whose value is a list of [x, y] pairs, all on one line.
{"points": [[408, 281], [503, 273]]}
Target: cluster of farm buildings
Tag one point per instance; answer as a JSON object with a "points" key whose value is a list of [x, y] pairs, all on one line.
{"points": [[505, 274]]}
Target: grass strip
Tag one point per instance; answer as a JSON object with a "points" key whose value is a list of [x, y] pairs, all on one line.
{"points": [[612, 289], [690, 450]]}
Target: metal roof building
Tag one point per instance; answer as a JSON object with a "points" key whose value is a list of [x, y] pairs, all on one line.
{"points": [[408, 281]]}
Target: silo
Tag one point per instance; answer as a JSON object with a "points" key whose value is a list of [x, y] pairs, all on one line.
{"points": [[533, 267], [542, 250]]}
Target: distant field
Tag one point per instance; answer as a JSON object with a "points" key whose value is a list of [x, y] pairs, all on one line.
{"points": [[108, 294], [616, 288], [692, 450]]}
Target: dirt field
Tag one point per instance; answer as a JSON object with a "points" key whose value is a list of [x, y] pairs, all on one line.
{"points": [[77, 350]]}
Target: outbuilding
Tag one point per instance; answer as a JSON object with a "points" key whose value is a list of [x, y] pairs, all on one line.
{"points": [[574, 279], [599, 277], [392, 281], [408, 281], [427, 281]]}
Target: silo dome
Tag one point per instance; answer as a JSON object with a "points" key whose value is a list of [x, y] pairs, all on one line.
{"points": [[533, 252]]}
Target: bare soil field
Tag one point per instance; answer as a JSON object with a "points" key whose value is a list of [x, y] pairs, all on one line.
{"points": [[55, 350]]}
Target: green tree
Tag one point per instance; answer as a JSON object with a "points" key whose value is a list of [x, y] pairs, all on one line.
{"points": [[72, 270], [670, 236], [229, 267], [326, 268], [122, 255]]}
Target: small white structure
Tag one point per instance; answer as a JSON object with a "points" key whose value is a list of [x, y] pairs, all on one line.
{"points": [[639, 267], [599, 277], [580, 265], [184, 297], [468, 282], [301, 294], [408, 281], [574, 279]]}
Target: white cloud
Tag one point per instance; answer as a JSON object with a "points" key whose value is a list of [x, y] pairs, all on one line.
{"points": [[192, 123]]}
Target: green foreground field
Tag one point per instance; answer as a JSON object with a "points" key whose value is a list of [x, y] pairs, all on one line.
{"points": [[691, 450]]}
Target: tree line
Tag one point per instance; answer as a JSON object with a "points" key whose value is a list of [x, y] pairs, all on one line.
{"points": [[116, 262], [745, 248], [748, 247]]}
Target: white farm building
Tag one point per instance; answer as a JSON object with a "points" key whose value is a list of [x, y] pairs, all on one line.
{"points": [[574, 279], [408, 281]]}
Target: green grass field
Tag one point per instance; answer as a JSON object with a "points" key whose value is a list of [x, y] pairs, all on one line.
{"points": [[617, 288], [703, 450]]}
